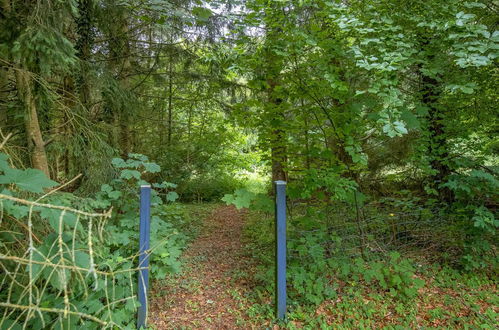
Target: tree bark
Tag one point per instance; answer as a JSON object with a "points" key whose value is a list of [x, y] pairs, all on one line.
{"points": [[125, 136], [170, 100], [35, 141], [4, 71], [278, 148], [4, 82], [120, 63], [84, 46]]}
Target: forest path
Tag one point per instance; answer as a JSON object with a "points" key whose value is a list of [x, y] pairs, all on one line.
{"points": [[209, 293]]}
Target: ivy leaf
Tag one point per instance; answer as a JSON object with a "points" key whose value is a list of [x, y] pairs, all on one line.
{"points": [[30, 180], [388, 129]]}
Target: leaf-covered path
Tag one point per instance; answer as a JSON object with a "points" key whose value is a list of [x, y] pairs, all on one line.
{"points": [[208, 294]]}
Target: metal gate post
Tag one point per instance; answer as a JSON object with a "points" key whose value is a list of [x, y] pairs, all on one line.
{"points": [[280, 233], [145, 215]]}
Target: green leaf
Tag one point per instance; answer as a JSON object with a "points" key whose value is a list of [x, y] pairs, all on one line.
{"points": [[140, 157], [16, 210], [394, 256], [400, 127], [106, 188], [411, 120], [228, 199], [128, 174], [60, 278], [152, 167], [118, 163], [264, 203], [171, 196], [94, 305], [242, 198], [114, 194], [82, 259], [53, 217], [201, 13], [30, 180], [11, 324], [4, 164]]}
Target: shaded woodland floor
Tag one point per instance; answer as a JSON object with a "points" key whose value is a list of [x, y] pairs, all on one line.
{"points": [[214, 291], [209, 293]]}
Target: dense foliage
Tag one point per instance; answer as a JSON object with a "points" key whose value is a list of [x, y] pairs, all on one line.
{"points": [[380, 114], [98, 257]]}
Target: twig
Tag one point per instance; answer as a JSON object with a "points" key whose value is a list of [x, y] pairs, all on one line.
{"points": [[59, 187], [23, 261], [107, 214], [5, 140], [53, 310], [25, 227]]}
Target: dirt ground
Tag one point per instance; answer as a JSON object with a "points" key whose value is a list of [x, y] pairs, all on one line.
{"points": [[209, 293]]}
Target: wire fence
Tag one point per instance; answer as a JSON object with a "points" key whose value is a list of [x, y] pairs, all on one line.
{"points": [[63, 279], [367, 231]]}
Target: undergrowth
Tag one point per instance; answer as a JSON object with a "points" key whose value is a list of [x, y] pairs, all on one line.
{"points": [[75, 272], [329, 288]]}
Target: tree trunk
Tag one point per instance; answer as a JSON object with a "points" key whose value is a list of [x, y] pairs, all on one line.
{"points": [[35, 141], [306, 136], [170, 101], [4, 74], [278, 149], [4, 82], [121, 65], [64, 131], [84, 46], [274, 107], [124, 118], [437, 139], [437, 150]]}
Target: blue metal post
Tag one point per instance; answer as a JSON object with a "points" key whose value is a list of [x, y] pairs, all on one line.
{"points": [[280, 233], [145, 215]]}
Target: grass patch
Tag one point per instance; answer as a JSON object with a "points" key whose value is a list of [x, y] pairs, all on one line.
{"points": [[188, 217]]}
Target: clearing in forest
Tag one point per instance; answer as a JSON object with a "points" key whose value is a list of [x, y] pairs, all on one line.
{"points": [[208, 294]]}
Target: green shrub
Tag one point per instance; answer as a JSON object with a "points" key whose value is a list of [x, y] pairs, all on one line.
{"points": [[123, 233], [394, 274], [208, 188], [97, 281]]}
